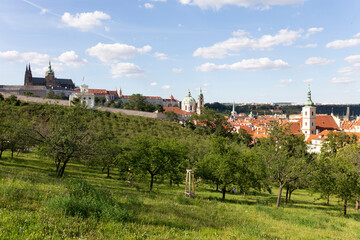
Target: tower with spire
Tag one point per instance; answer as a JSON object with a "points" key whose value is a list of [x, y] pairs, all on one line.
{"points": [[50, 76], [200, 103], [28, 76], [308, 116]]}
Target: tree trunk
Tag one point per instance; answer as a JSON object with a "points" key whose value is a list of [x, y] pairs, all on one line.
{"points": [[290, 193], [279, 196], [58, 167], [12, 153], [287, 194], [345, 205], [223, 193], [1, 152], [62, 169], [171, 182], [328, 199], [357, 204], [108, 172], [217, 185], [151, 182]]}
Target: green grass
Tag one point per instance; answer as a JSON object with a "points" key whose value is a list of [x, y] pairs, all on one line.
{"points": [[87, 205]]}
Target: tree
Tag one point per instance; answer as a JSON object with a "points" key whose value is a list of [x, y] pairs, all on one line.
{"points": [[138, 102], [347, 173], [225, 166], [336, 140], [156, 157], [172, 116], [67, 137], [285, 155], [159, 108]]}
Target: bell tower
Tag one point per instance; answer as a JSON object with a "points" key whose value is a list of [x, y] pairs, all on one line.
{"points": [[200, 103], [50, 76], [308, 116]]}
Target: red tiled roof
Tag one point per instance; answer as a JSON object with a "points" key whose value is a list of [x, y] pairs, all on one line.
{"points": [[176, 110]]}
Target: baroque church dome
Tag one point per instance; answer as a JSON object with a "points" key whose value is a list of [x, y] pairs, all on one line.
{"points": [[188, 98]]}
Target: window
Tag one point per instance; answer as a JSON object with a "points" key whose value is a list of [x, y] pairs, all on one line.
{"points": [[312, 113], [305, 113], [185, 108], [305, 123], [312, 124], [190, 108]]}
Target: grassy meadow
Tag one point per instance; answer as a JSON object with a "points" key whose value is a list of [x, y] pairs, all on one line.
{"points": [[85, 204]]}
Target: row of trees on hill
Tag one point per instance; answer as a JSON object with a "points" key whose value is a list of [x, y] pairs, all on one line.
{"points": [[136, 102], [158, 150], [261, 109]]}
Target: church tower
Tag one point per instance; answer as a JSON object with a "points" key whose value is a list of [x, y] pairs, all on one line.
{"points": [[50, 76], [309, 116], [28, 76], [200, 103]]}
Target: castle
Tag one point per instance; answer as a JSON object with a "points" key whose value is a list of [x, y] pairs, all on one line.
{"points": [[48, 81]]}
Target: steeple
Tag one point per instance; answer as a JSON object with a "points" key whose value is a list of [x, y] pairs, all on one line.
{"points": [[49, 69], [309, 102]]}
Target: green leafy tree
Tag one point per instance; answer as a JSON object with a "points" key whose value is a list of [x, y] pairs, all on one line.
{"points": [[347, 173], [68, 136], [286, 157], [138, 102], [225, 166], [156, 157], [336, 140], [172, 116]]}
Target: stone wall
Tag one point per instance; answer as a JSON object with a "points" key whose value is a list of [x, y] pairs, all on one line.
{"points": [[66, 103]]}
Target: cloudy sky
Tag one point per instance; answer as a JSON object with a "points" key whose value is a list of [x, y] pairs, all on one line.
{"points": [[235, 50]]}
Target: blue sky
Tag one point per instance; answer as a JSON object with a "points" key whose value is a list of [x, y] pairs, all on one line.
{"points": [[235, 50]]}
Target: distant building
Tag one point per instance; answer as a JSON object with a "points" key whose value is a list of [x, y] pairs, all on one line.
{"points": [[189, 104], [49, 80], [85, 97]]}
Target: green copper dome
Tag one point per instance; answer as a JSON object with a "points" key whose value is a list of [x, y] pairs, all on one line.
{"points": [[49, 69], [188, 98], [309, 102]]}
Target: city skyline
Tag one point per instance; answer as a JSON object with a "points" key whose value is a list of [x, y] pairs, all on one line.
{"points": [[236, 51]]}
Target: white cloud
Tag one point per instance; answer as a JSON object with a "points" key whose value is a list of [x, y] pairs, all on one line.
{"points": [[353, 59], [318, 61], [84, 21], [107, 29], [148, 5], [217, 4], [347, 71], [206, 84], [154, 84], [161, 56], [177, 70], [357, 35], [246, 64], [342, 80], [108, 53], [310, 45], [31, 57], [120, 70], [315, 30], [70, 58], [286, 80], [242, 40], [343, 43], [166, 87], [10, 56], [309, 80]]}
